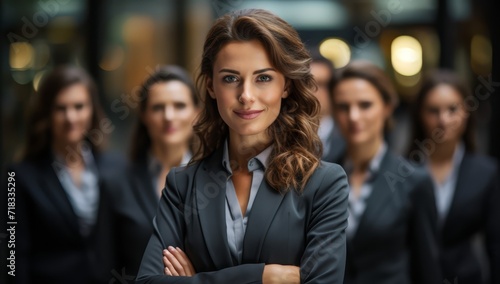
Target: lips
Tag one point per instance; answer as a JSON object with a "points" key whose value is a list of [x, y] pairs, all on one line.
{"points": [[248, 114], [169, 130]]}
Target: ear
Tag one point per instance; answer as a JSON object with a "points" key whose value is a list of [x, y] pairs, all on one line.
{"points": [[286, 91], [210, 88]]}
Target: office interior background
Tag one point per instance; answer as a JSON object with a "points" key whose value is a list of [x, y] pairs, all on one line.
{"points": [[120, 42]]}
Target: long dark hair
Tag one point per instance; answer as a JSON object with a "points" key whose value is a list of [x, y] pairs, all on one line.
{"points": [[297, 148], [431, 80], [39, 129], [141, 142]]}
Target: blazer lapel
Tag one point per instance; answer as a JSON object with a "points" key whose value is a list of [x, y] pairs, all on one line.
{"points": [[465, 181], [210, 190], [266, 204], [377, 199], [57, 194]]}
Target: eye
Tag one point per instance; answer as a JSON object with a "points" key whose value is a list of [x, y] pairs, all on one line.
{"points": [[453, 108], [79, 106], [230, 79], [179, 105], [264, 78], [342, 107], [365, 105], [432, 110], [157, 107]]}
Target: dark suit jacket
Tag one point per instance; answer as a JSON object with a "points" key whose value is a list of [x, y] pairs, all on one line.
{"points": [[475, 208], [49, 245], [134, 207], [337, 146], [395, 241], [306, 230]]}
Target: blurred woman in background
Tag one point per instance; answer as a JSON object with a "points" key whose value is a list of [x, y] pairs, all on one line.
{"points": [[162, 139], [63, 232], [466, 184], [391, 231]]}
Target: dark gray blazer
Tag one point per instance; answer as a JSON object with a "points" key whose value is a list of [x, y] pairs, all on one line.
{"points": [[396, 239], [306, 230], [475, 208], [337, 146], [135, 201]]}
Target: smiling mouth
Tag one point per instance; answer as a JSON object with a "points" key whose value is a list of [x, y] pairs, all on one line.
{"points": [[248, 114]]}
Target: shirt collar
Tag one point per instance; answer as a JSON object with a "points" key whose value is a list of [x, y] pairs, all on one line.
{"points": [[155, 166], [86, 152], [260, 161]]}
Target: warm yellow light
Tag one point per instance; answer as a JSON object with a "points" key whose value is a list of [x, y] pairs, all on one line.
{"points": [[36, 80], [21, 55], [481, 54], [336, 50], [406, 55], [113, 58]]}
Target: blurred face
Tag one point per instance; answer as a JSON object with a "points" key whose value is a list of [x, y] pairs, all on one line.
{"points": [[322, 75], [359, 111], [247, 88], [71, 115], [443, 109], [170, 113]]}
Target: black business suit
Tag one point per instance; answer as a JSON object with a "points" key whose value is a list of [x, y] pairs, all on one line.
{"points": [[49, 245], [337, 146], [395, 241], [475, 208], [136, 201], [306, 230]]}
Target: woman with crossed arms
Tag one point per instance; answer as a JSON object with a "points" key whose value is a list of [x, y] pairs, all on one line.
{"points": [[256, 205]]}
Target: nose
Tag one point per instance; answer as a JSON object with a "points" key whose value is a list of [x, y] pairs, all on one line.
{"points": [[169, 113], [70, 114], [444, 117], [247, 95], [354, 113]]}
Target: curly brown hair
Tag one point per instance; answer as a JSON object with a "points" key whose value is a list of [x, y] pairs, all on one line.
{"points": [[297, 147]]}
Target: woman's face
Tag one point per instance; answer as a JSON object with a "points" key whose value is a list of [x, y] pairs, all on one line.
{"points": [[169, 113], [247, 88], [71, 115], [443, 111], [359, 111]]}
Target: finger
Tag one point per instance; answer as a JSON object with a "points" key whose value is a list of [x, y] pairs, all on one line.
{"points": [[170, 267], [179, 269], [188, 261], [183, 260], [167, 272]]}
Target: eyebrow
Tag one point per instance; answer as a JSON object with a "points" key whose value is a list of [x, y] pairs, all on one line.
{"points": [[255, 72]]}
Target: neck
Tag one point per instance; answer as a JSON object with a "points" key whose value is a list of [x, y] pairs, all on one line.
{"points": [[243, 148], [70, 152], [168, 155], [443, 152], [362, 154]]}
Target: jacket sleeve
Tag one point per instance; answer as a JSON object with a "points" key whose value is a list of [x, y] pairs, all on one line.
{"points": [[169, 229], [325, 253], [425, 267]]}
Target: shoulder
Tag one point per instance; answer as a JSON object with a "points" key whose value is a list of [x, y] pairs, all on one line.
{"points": [[111, 160], [482, 163], [329, 179], [27, 167]]}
